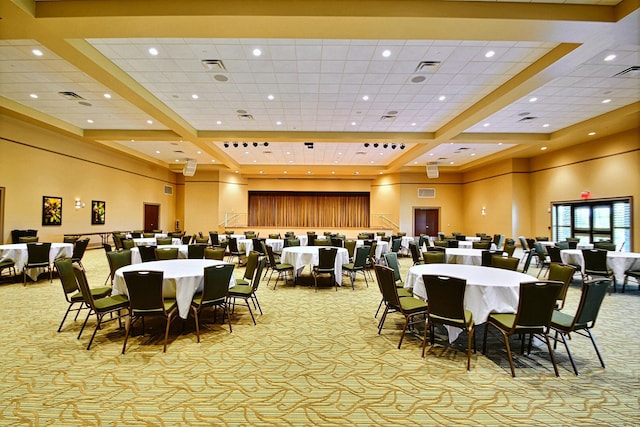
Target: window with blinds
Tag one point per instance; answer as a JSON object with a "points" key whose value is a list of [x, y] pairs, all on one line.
{"points": [[593, 221]]}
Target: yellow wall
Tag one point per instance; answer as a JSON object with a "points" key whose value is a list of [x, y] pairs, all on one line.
{"points": [[516, 193]]}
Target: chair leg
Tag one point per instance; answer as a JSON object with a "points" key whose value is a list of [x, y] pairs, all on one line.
{"points": [[471, 336], [99, 320], [406, 322], [566, 346], [195, 318], [506, 344], [128, 326], [84, 323], [379, 307], [65, 317], [551, 354], [427, 325], [595, 346], [166, 332], [382, 319]]}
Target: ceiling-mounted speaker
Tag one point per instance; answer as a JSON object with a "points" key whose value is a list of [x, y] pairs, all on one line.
{"points": [[432, 170], [189, 167]]}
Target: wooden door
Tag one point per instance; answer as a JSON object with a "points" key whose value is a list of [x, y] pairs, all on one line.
{"points": [[426, 221], [151, 217]]}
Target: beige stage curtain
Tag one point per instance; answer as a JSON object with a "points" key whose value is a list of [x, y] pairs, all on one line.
{"points": [[301, 209]]}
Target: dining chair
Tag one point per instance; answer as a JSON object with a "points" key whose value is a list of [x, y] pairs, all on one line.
{"points": [[202, 240], [506, 263], [116, 260], [413, 309], [395, 245], [214, 238], [79, 248], [28, 239], [196, 251], [434, 257], [533, 317], [127, 243], [215, 293], [595, 265], [350, 246], [278, 267], [234, 251], [583, 320], [166, 253], [415, 253], [164, 240], [631, 273], [250, 268], [351, 269], [446, 307], [37, 257], [9, 264], [561, 273], [146, 299], [214, 253], [71, 290], [326, 266], [247, 293], [98, 306], [147, 253], [481, 245], [487, 257]]}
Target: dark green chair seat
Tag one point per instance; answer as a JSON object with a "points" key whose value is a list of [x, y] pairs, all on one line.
{"points": [[215, 293], [247, 293], [280, 268]]}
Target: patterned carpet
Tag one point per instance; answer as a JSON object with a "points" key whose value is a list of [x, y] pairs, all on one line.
{"points": [[313, 359]]}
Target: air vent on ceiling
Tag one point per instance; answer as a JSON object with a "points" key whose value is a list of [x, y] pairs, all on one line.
{"points": [[213, 65], [360, 153], [70, 95], [629, 72], [426, 193], [168, 190], [527, 119], [388, 118], [427, 66], [245, 116]]}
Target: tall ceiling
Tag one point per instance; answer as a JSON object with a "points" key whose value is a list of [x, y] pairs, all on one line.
{"points": [[323, 88]]}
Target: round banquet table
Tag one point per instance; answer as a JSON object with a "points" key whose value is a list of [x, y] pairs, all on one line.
{"points": [[18, 253], [618, 262], [489, 290], [182, 279], [301, 256]]}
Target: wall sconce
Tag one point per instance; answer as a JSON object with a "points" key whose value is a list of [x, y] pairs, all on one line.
{"points": [[79, 204], [483, 211]]}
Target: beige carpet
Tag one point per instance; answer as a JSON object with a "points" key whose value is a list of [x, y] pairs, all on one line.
{"points": [[313, 359]]}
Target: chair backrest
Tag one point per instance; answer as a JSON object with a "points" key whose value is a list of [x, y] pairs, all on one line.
{"points": [[148, 235], [196, 251], [145, 291], [607, 246], [271, 256], [214, 253], [164, 240], [69, 239], [147, 253], [573, 242], [83, 286], [66, 274], [446, 298], [327, 258], [257, 246], [186, 239], [127, 243], [233, 245], [542, 239], [350, 246], [440, 243], [118, 259], [481, 245], [554, 254], [229, 232], [536, 304], [38, 252], [290, 234], [337, 242], [27, 239], [561, 273], [452, 243], [436, 249], [531, 244], [274, 235], [391, 259], [215, 239], [387, 284], [461, 237], [79, 249], [487, 257], [434, 257], [107, 247], [216, 283], [257, 276], [523, 243], [506, 263], [509, 249], [252, 263], [415, 253], [593, 293], [294, 242], [201, 239], [166, 253], [595, 259]]}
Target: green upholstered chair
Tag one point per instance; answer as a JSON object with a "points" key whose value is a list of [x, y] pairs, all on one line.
{"points": [[395, 245], [326, 266], [584, 318], [509, 249], [506, 263], [215, 292], [434, 257], [274, 236], [79, 248], [350, 246], [487, 257], [595, 265], [358, 264], [446, 307], [234, 251], [631, 273], [533, 317], [214, 238], [166, 253], [247, 293], [147, 253], [116, 260], [607, 246], [481, 245], [148, 235], [27, 239], [413, 309], [98, 306], [203, 240], [196, 251], [38, 257], [415, 253], [561, 273], [440, 243], [8, 264], [391, 260], [69, 239], [277, 267], [71, 291], [146, 299], [573, 242], [214, 253], [250, 268], [127, 243], [167, 240]]}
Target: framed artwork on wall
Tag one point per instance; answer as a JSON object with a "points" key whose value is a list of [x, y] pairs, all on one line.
{"points": [[51, 210], [98, 211]]}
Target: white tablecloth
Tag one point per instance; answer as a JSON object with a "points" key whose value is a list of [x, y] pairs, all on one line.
{"points": [[464, 256], [618, 262], [489, 290], [151, 241], [466, 244], [182, 279], [472, 239], [405, 242], [301, 256], [276, 244], [183, 252], [18, 253], [382, 247]]}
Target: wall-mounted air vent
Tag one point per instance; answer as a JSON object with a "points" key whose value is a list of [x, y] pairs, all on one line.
{"points": [[168, 190], [629, 72], [427, 66], [426, 193], [527, 119], [213, 65], [245, 117], [388, 118], [70, 95]]}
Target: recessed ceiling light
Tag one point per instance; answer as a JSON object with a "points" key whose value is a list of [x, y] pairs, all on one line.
{"points": [[546, 125], [365, 98], [473, 154], [199, 152], [278, 122], [353, 123], [606, 101], [610, 57], [413, 124], [255, 161], [356, 173], [257, 52], [591, 133], [107, 96], [290, 161], [177, 160], [213, 160], [339, 154], [386, 53], [37, 52], [543, 148], [372, 162], [450, 163], [499, 143], [431, 154], [157, 151], [195, 96], [533, 99], [333, 172], [288, 152], [486, 125], [284, 171], [308, 172], [133, 140], [153, 51], [219, 122], [150, 122], [415, 163], [489, 54], [261, 172], [270, 97], [381, 153], [237, 171], [380, 172], [442, 98], [34, 96], [246, 152], [89, 121]]}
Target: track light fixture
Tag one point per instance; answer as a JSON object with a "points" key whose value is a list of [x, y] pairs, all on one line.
{"points": [[402, 146], [255, 144], [375, 145], [235, 145], [385, 145], [366, 145], [392, 145], [226, 145], [244, 144]]}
